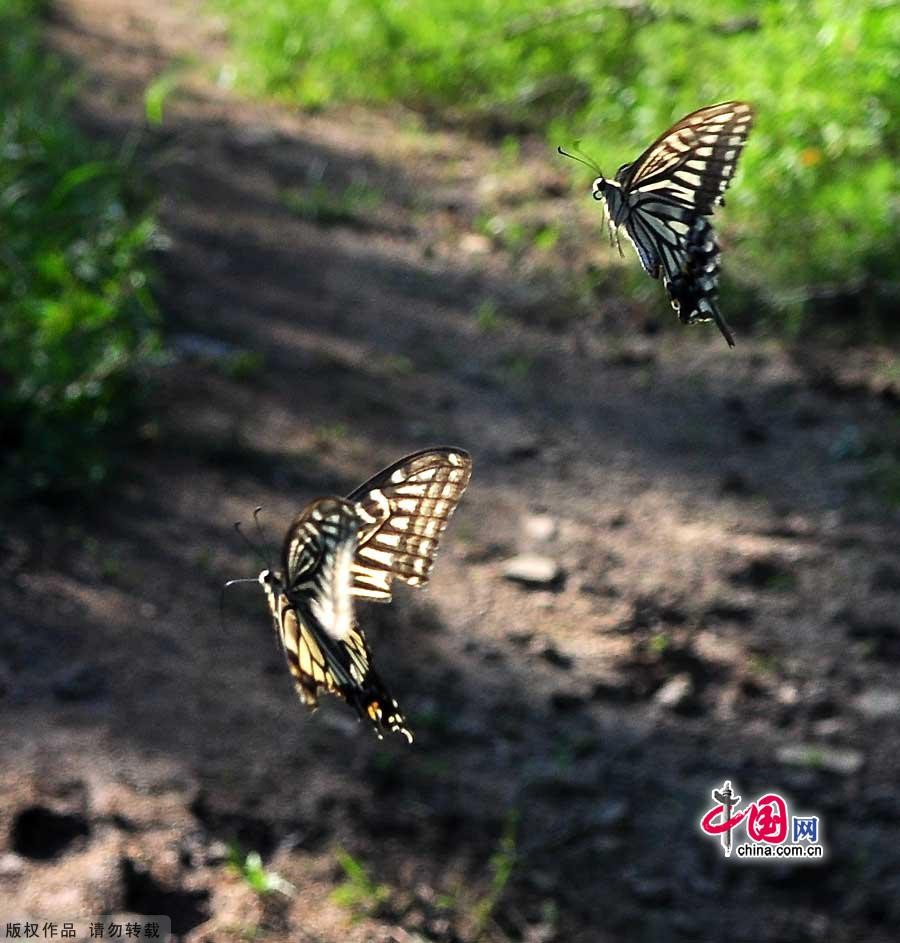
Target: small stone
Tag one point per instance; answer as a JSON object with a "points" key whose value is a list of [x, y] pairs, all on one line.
{"points": [[474, 243], [840, 760], [11, 865], [533, 571], [677, 692], [829, 728], [539, 528], [877, 703]]}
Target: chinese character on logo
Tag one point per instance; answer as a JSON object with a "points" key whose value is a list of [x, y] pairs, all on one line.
{"points": [[768, 819], [806, 828]]}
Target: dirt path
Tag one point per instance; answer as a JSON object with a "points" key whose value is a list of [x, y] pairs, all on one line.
{"points": [[713, 515]]}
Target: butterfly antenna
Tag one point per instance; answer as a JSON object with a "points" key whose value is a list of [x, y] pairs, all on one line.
{"points": [[259, 530], [251, 545], [222, 598], [581, 157]]}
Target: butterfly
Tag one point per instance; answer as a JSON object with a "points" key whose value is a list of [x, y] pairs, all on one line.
{"points": [[663, 198], [338, 550]]}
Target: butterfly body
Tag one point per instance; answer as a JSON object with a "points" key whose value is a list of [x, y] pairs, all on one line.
{"points": [[663, 199], [338, 550]]}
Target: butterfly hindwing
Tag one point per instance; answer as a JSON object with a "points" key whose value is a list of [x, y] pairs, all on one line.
{"points": [[403, 511]]}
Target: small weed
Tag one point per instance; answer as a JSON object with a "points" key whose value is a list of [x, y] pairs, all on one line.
{"points": [[327, 207], [156, 93], [546, 237], [243, 365], [432, 718], [332, 433], [398, 365], [515, 368], [660, 643], [251, 870], [487, 318], [358, 893], [501, 865], [765, 665]]}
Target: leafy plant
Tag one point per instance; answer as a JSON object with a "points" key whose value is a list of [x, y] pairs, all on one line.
{"points": [[250, 868], [501, 865], [358, 893], [76, 314]]}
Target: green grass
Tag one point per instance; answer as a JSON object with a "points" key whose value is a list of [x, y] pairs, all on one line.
{"points": [[258, 879], [325, 206], [813, 212], [76, 314], [358, 893], [502, 865]]}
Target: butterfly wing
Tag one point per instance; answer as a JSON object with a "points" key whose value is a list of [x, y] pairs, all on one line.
{"points": [[324, 647], [693, 162], [669, 190], [403, 511]]}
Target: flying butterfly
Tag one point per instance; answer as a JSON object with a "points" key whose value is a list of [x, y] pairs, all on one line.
{"points": [[663, 198], [338, 550]]}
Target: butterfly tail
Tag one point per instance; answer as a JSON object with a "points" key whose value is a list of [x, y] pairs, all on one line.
{"points": [[722, 325]]}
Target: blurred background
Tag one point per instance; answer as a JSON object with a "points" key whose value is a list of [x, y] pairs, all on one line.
{"points": [[252, 252]]}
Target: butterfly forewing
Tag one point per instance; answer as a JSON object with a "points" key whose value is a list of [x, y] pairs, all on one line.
{"points": [[693, 162], [403, 511]]}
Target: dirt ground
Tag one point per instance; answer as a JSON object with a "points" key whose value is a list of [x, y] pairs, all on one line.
{"points": [[727, 605]]}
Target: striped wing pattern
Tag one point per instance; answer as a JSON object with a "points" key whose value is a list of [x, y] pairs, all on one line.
{"points": [[693, 162], [314, 620], [403, 511], [664, 197]]}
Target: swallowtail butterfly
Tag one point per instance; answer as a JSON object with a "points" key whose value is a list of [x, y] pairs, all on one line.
{"points": [[663, 198], [341, 549]]}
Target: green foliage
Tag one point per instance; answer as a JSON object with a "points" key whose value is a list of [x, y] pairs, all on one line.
{"points": [[502, 863], [251, 870], [327, 207], [358, 893], [76, 314], [815, 204]]}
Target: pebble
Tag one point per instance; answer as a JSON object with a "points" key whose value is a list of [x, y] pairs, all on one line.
{"points": [[534, 571], [676, 692], [539, 528], [877, 703]]}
